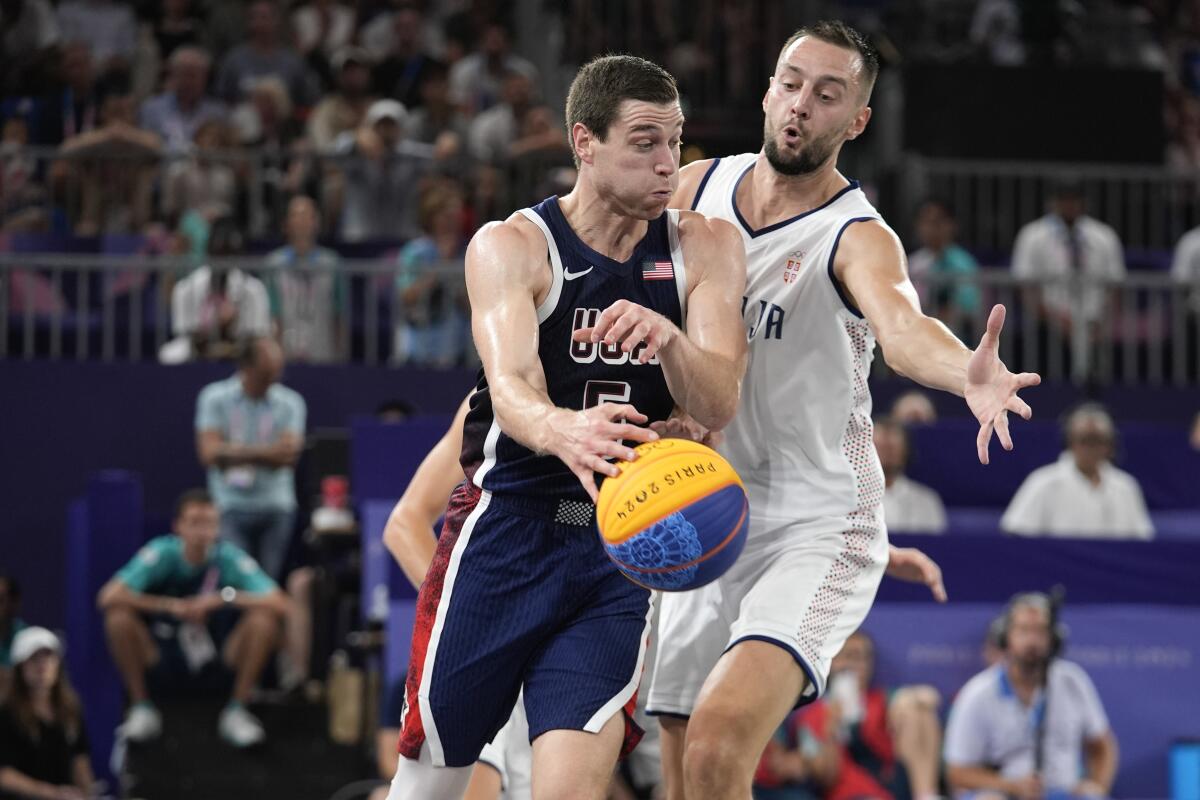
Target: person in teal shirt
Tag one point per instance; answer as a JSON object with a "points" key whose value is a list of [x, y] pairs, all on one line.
{"points": [[187, 603], [942, 271]]}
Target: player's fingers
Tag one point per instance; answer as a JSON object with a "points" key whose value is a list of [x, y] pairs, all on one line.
{"points": [[604, 322], [636, 337], [588, 479], [995, 324], [982, 440], [582, 335], [623, 411], [935, 584], [619, 431], [650, 350], [596, 463], [620, 328], [1002, 430], [613, 449], [1019, 407], [1026, 379]]}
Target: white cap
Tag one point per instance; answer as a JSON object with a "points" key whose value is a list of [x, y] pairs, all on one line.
{"points": [[29, 641], [386, 109]]}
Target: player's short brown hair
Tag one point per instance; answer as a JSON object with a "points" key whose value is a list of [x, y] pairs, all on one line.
{"points": [[836, 32], [602, 84]]}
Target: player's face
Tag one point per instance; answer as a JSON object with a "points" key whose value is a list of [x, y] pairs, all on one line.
{"points": [[637, 166], [815, 102], [1028, 636], [198, 526]]}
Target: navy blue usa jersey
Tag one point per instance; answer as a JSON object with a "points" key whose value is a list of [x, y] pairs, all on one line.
{"points": [[581, 374]]}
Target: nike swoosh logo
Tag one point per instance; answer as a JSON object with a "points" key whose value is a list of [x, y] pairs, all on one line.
{"points": [[570, 276]]}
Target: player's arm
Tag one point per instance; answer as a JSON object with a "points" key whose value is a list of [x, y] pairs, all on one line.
{"points": [[870, 264], [407, 534], [507, 275], [690, 178]]}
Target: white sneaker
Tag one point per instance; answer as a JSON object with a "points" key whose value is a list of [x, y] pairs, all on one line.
{"points": [[239, 727], [142, 723]]}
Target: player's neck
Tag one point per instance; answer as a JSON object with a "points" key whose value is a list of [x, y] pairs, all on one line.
{"points": [[770, 196], [599, 225]]}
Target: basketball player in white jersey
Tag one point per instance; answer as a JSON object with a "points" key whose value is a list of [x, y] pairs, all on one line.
{"points": [[826, 279]]}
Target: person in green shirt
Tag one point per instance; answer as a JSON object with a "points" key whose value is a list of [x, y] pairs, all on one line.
{"points": [[943, 272], [192, 600]]}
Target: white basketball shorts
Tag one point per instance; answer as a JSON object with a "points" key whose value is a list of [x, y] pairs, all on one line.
{"points": [[805, 586]]}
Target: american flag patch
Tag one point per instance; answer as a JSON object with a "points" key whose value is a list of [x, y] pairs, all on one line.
{"points": [[658, 271]]}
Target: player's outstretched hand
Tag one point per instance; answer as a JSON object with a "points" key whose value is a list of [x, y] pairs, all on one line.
{"points": [[680, 425], [991, 390], [584, 440], [630, 324], [910, 564]]}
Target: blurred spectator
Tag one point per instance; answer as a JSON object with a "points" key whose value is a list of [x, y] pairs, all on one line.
{"points": [[996, 29], [189, 606], [10, 625], [941, 270], [439, 122], [887, 742], [177, 24], [1195, 438], [108, 27], [914, 408], [113, 165], [43, 738], [908, 506], [1185, 271], [216, 306], [249, 433], [1082, 494], [382, 183], [308, 293], [22, 197], [201, 181], [265, 121], [796, 764], [505, 130], [342, 110], [405, 64], [264, 55], [992, 734], [323, 28], [432, 323], [29, 34], [1066, 246], [75, 106], [475, 79], [177, 114]]}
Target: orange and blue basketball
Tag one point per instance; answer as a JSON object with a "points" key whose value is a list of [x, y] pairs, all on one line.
{"points": [[675, 518]]}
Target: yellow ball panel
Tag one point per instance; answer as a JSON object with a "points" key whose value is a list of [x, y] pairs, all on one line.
{"points": [[668, 475]]}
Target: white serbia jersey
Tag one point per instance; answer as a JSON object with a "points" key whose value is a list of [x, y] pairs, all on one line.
{"points": [[802, 438]]}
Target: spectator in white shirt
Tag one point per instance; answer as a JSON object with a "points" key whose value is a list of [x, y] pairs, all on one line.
{"points": [[1185, 271], [1081, 494], [1062, 245], [992, 735], [907, 505], [475, 80]]}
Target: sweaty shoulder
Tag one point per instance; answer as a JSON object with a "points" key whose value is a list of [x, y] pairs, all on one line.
{"points": [[710, 242], [868, 242], [514, 250], [689, 181]]}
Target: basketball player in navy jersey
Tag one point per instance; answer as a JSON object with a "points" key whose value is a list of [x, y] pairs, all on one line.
{"points": [[578, 310], [826, 278]]}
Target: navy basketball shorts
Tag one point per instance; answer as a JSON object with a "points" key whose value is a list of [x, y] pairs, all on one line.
{"points": [[520, 593]]}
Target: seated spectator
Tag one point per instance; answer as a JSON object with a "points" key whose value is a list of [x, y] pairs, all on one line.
{"points": [[323, 28], [990, 741], [189, 606], [215, 307], [10, 625], [114, 165], [942, 270], [342, 110], [475, 80], [203, 182], [43, 739], [1082, 494], [177, 114], [22, 197], [501, 133], [404, 65], [249, 434], [1185, 272], [74, 105], [308, 293], [108, 27], [263, 55], [908, 506], [382, 180], [797, 764], [432, 324], [437, 114], [914, 408], [177, 23], [30, 33]]}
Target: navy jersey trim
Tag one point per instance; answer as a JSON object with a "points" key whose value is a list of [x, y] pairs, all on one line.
{"points": [[805, 667], [756, 233], [593, 256], [704, 182], [837, 285], [550, 303]]}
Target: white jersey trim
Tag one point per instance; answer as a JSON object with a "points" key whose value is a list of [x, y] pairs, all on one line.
{"points": [[622, 697], [489, 451], [680, 269], [556, 268]]}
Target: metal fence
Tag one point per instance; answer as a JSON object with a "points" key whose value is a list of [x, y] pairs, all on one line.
{"points": [[1143, 330], [1150, 207]]}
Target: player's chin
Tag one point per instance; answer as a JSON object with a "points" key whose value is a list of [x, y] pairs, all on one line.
{"points": [[656, 203]]}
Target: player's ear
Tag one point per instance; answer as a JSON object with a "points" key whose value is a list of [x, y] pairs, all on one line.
{"points": [[767, 93], [859, 124], [582, 142]]}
